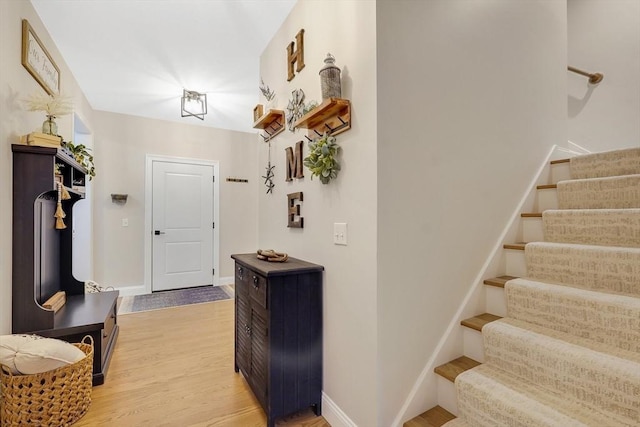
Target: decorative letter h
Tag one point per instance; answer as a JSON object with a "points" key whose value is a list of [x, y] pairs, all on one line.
{"points": [[295, 57]]}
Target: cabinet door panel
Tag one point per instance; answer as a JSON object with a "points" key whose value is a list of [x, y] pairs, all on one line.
{"points": [[243, 337], [259, 350]]}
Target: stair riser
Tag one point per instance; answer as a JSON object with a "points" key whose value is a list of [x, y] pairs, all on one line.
{"points": [[473, 344], [447, 397], [495, 302], [602, 381], [532, 230], [559, 172], [546, 199], [609, 319], [515, 263], [588, 267]]}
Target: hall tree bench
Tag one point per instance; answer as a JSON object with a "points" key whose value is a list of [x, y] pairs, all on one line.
{"points": [[42, 258], [278, 333]]}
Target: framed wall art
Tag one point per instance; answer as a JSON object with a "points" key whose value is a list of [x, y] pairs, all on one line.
{"points": [[38, 62]]}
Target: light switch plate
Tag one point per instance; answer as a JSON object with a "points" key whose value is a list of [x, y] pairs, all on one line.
{"points": [[125, 222], [340, 233]]}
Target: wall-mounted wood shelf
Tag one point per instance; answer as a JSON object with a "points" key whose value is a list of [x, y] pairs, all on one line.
{"points": [[272, 122], [332, 116]]}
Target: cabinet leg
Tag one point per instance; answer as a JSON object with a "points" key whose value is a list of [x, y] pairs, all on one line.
{"points": [[271, 421], [235, 367], [317, 409]]}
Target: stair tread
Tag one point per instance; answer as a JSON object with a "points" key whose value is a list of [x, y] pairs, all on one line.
{"points": [[457, 366], [477, 322], [531, 215], [555, 162], [547, 186], [519, 246], [434, 417], [499, 281]]}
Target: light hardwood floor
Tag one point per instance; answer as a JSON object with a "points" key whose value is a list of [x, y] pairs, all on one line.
{"points": [[174, 367]]}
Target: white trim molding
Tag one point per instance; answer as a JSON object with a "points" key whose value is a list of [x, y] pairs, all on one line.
{"points": [[148, 208], [227, 280], [333, 414]]}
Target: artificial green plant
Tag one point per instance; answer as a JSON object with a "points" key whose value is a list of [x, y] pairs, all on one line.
{"points": [[321, 160], [83, 156]]}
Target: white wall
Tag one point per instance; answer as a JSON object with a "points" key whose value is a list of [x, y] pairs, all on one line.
{"points": [[16, 84], [122, 143], [604, 36], [347, 30], [471, 96]]}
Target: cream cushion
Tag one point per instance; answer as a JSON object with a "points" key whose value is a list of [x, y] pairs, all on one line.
{"points": [[31, 354]]}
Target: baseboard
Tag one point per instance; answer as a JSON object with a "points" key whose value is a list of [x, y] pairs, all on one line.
{"points": [[129, 291], [229, 280], [333, 414]]}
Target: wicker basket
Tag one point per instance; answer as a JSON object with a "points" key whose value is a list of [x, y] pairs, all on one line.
{"points": [[54, 398]]}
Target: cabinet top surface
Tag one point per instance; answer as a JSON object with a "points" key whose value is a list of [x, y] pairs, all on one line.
{"points": [[49, 151], [269, 269], [85, 309]]}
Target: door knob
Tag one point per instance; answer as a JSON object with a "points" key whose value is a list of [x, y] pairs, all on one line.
{"points": [[158, 232]]}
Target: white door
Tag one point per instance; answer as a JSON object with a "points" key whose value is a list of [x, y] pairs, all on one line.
{"points": [[182, 225]]}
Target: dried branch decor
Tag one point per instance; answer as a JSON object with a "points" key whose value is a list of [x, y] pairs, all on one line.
{"points": [[52, 105]]}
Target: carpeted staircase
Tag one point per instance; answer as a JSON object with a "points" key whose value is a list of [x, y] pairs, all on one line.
{"points": [[568, 351]]}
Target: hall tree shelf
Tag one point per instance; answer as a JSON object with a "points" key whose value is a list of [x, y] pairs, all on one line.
{"points": [[332, 116], [272, 122], [42, 258]]}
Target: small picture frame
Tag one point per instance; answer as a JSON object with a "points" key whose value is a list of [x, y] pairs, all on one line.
{"points": [[258, 111], [38, 62]]}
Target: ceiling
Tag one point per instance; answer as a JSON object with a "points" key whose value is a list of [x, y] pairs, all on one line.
{"points": [[136, 56]]}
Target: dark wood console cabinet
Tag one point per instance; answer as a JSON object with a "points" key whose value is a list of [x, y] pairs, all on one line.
{"points": [[278, 333], [42, 258]]}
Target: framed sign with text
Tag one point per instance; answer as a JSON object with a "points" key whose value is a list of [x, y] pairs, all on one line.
{"points": [[38, 62]]}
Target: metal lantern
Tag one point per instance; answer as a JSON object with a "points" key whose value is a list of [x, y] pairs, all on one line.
{"points": [[330, 79]]}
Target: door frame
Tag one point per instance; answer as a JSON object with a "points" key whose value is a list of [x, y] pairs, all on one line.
{"points": [[148, 211]]}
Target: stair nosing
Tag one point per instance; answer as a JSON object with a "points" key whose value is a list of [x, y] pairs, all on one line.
{"points": [[531, 215], [434, 417], [477, 322], [452, 369], [555, 162], [499, 281], [547, 186], [518, 246]]}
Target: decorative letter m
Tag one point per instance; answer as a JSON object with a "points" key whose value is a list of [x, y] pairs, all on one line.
{"points": [[294, 162]]}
